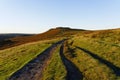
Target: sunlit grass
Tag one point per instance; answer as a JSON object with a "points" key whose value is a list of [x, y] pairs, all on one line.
{"points": [[102, 44], [14, 58]]}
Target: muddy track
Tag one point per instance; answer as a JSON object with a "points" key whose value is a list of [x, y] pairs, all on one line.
{"points": [[33, 70], [73, 72]]}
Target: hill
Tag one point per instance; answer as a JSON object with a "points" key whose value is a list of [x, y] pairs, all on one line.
{"points": [[7, 36], [50, 34]]}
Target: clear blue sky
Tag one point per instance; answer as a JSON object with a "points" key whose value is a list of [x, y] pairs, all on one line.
{"points": [[35, 16]]}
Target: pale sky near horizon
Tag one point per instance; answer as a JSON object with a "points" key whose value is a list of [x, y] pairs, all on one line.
{"points": [[36, 16]]}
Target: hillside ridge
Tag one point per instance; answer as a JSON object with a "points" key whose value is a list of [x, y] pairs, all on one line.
{"points": [[50, 34]]}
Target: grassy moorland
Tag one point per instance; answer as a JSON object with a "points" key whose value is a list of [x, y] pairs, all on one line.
{"points": [[13, 59], [96, 54]]}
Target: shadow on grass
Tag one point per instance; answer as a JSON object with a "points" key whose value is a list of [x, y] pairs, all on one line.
{"points": [[107, 63], [73, 72]]}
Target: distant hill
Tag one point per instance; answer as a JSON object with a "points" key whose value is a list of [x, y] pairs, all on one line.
{"points": [[15, 40], [7, 36]]}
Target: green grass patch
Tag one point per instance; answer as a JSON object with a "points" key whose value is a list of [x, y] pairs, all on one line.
{"points": [[55, 69]]}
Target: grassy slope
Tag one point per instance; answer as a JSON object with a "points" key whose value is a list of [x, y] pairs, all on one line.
{"points": [[14, 58], [104, 44], [55, 69]]}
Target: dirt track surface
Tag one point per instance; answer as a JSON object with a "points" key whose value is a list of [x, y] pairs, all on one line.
{"points": [[33, 70]]}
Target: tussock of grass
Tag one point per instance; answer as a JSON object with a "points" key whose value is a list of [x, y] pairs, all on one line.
{"points": [[55, 69], [14, 58]]}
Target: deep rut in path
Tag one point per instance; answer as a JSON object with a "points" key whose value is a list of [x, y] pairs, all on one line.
{"points": [[33, 69], [73, 72]]}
